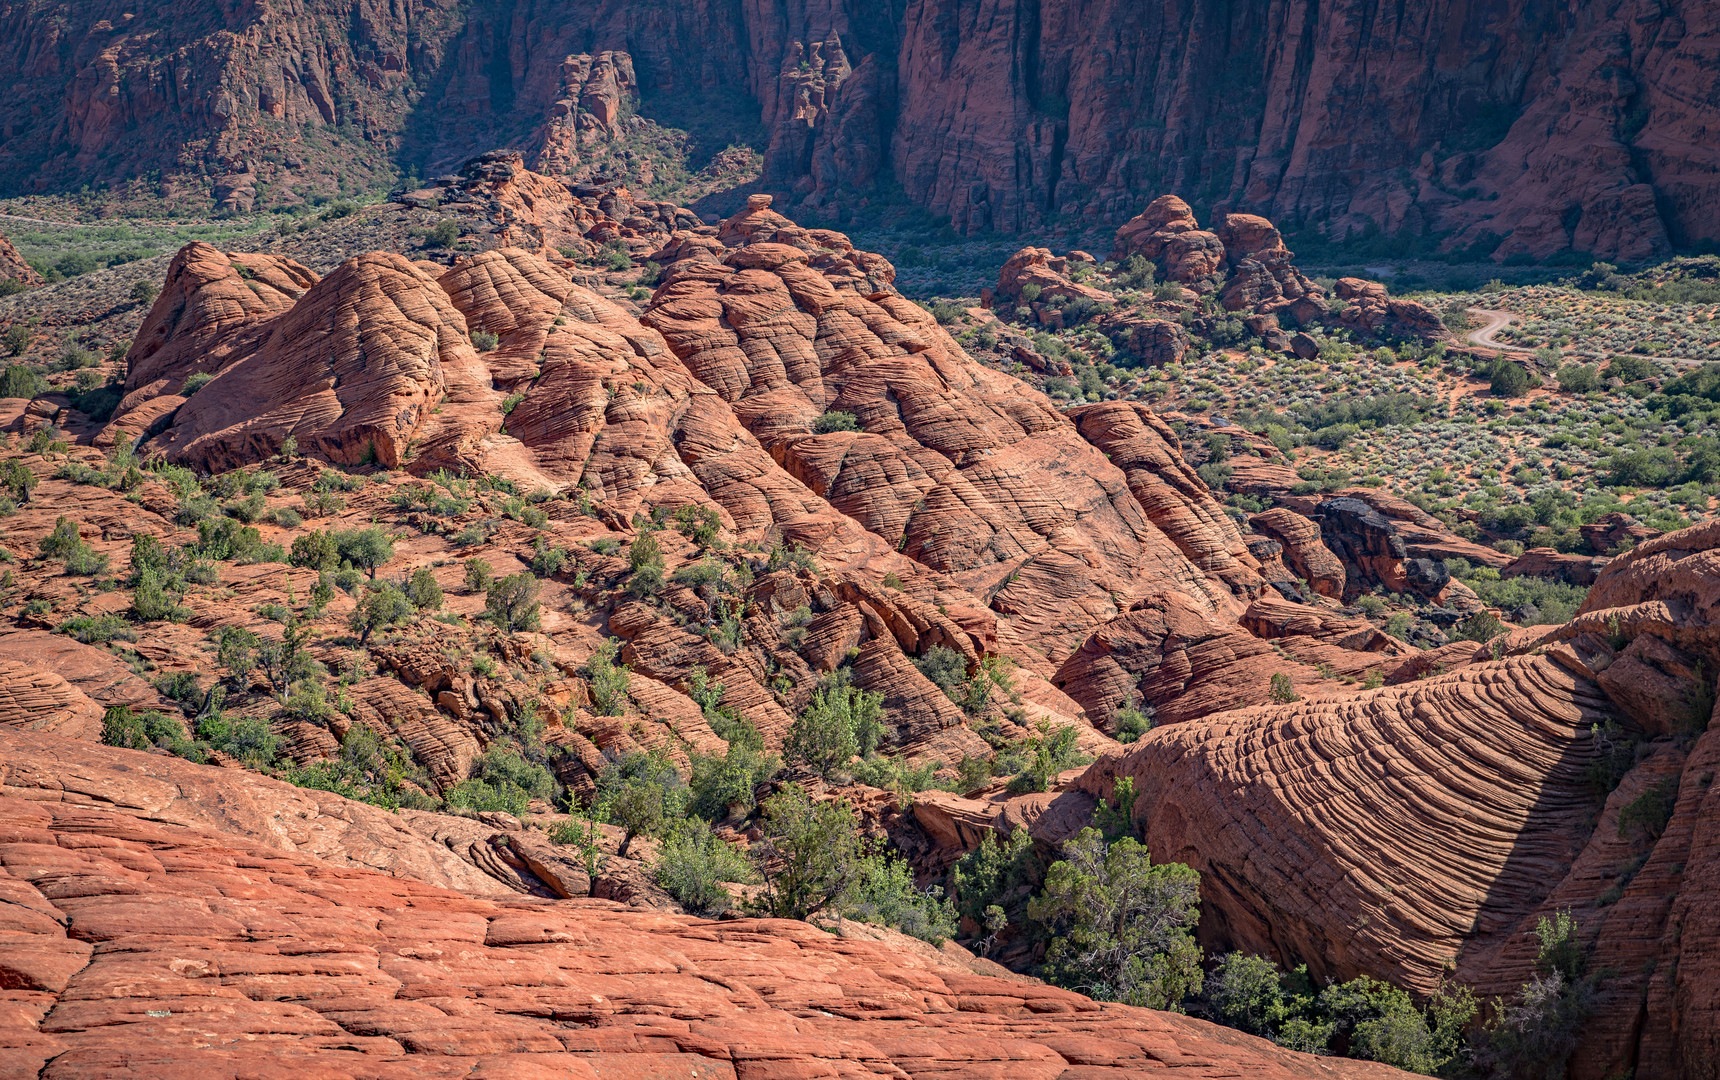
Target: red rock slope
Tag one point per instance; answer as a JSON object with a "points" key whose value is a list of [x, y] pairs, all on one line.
{"points": [[1419, 831], [138, 948]]}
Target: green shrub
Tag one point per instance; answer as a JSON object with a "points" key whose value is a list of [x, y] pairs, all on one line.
{"points": [[1578, 379], [895, 774], [946, 668], [97, 629], [881, 890], [700, 524], [1508, 379], [607, 679], [367, 548], [478, 576], [512, 603], [643, 794], [151, 601], [1122, 927], [480, 796], [836, 420], [250, 740], [444, 233], [693, 862], [719, 782], [195, 382], [1644, 818], [383, 605], [994, 873], [423, 590], [841, 721], [1482, 626], [502, 764], [64, 543], [143, 731], [1535, 1034], [369, 769], [807, 855], [1047, 753]]}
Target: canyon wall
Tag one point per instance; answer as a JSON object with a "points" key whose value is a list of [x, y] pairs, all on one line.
{"points": [[1531, 127]]}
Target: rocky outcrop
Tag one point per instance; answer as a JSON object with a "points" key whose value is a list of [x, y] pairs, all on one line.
{"points": [[1262, 276], [1421, 830], [1154, 342], [546, 215], [1048, 274], [1424, 536], [1455, 858], [1363, 116], [594, 92], [81, 777], [213, 308], [354, 371], [957, 466], [1609, 532], [1243, 258], [1571, 568], [137, 946], [36, 699], [824, 119], [1369, 309], [13, 266], [1173, 496], [1303, 549]]}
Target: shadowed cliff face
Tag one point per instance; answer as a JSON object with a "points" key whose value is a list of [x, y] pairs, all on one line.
{"points": [[1530, 127]]}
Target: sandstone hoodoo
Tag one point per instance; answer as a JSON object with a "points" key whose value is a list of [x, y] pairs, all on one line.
{"points": [[776, 544]]}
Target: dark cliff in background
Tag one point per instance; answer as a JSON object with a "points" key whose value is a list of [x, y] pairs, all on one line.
{"points": [[1529, 127]]}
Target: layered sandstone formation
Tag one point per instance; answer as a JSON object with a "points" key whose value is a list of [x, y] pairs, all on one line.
{"points": [[1418, 831], [138, 947], [549, 216], [1526, 128], [1080, 546]]}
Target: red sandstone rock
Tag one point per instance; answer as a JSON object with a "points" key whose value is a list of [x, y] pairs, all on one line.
{"points": [[1037, 266], [1303, 550], [213, 309], [352, 371], [1612, 530], [961, 468], [149, 949], [1459, 837], [13, 266], [1371, 310], [1570, 568], [38, 699]]}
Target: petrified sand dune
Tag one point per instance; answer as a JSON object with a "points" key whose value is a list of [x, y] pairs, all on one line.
{"points": [[1396, 832], [1081, 545], [138, 947], [353, 371], [964, 469], [1419, 831]]}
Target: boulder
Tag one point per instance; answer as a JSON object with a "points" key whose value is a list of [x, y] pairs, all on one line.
{"points": [[1148, 232], [1037, 266], [1610, 531], [1303, 550], [1371, 310]]}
